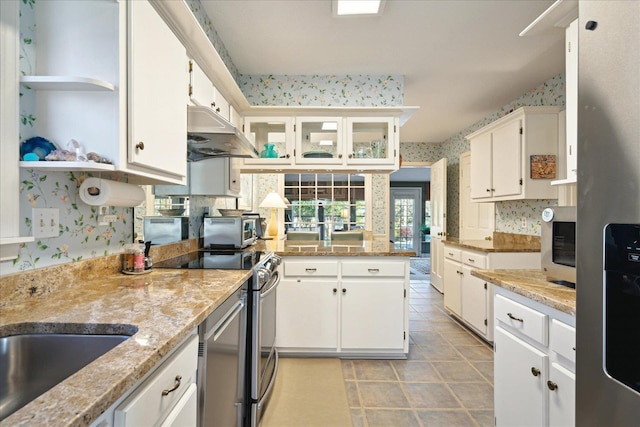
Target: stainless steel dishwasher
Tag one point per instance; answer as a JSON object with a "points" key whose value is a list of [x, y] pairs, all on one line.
{"points": [[221, 364]]}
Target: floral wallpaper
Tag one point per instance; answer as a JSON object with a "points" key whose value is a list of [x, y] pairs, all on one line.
{"points": [[323, 90], [508, 214]]}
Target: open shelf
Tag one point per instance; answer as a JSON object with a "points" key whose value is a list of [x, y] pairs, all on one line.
{"points": [[66, 83], [68, 166]]}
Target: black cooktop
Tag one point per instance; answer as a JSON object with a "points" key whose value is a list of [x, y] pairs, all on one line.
{"points": [[221, 259]]}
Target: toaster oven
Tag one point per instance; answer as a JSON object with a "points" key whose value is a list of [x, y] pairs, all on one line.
{"points": [[229, 232]]}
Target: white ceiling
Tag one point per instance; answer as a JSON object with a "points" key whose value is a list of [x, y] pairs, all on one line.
{"points": [[462, 60]]}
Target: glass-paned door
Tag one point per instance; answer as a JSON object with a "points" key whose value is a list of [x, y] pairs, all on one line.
{"points": [[405, 218]]}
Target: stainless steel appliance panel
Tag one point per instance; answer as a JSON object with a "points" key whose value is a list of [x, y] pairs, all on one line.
{"points": [[235, 232], [608, 192], [161, 230], [221, 370], [558, 244]]}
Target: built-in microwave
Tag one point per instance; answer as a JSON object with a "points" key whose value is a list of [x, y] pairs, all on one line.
{"points": [[558, 244]]}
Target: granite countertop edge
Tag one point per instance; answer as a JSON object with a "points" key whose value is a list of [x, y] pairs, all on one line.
{"points": [[532, 284], [491, 246]]}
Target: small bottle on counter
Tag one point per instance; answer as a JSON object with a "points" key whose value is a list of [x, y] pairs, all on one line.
{"points": [[128, 259], [138, 258]]}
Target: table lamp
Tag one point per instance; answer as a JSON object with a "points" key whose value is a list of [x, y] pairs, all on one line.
{"points": [[273, 201]]}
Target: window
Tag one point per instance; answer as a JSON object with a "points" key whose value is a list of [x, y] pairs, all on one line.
{"points": [[323, 202]]}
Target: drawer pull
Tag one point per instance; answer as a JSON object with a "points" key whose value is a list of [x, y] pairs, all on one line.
{"points": [[551, 385], [471, 260], [535, 371], [374, 270], [310, 270], [175, 387], [450, 253], [517, 319]]}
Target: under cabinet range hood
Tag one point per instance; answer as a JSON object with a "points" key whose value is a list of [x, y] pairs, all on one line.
{"points": [[209, 135]]}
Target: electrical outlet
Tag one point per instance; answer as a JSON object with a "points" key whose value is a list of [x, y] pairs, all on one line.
{"points": [[45, 222], [523, 222]]}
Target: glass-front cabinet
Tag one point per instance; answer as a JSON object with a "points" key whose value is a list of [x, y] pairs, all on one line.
{"points": [[370, 140], [273, 137], [319, 140]]}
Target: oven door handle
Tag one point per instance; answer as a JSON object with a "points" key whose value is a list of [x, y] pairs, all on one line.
{"points": [[272, 381], [272, 285]]}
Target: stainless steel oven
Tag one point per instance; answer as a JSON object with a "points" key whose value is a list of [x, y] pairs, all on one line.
{"points": [[263, 355], [231, 396]]}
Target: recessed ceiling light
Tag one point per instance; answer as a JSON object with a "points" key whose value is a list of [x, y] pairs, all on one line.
{"points": [[357, 7], [325, 142]]}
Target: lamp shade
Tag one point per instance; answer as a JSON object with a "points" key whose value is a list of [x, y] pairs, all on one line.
{"points": [[273, 200]]}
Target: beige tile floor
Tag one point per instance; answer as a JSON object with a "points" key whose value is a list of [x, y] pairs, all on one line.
{"points": [[447, 379]]}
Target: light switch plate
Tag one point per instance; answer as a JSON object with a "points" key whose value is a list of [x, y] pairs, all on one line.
{"points": [[45, 222]]}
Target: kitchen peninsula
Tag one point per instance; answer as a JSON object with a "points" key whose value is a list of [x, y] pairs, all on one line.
{"points": [[160, 310]]}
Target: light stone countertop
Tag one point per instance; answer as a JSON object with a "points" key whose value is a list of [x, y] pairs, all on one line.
{"points": [[164, 305], [533, 285], [493, 245]]}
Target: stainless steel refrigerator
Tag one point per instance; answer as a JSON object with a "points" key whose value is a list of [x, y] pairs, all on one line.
{"points": [[608, 221]]}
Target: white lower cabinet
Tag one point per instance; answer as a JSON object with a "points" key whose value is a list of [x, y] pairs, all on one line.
{"points": [[372, 314], [342, 306], [534, 363], [165, 396], [470, 298], [307, 315]]}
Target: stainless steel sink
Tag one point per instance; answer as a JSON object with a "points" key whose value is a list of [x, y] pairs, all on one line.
{"points": [[31, 364]]}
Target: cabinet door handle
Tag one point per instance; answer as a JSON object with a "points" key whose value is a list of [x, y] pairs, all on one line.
{"points": [[350, 155], [340, 155], [287, 156], [551, 385], [140, 146], [335, 290], [310, 270], [488, 190], [535, 371], [175, 387], [344, 291], [374, 270], [517, 319]]}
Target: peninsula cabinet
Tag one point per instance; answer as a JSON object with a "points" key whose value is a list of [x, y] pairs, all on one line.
{"points": [[534, 363], [112, 76], [503, 166], [343, 307], [470, 298], [332, 140]]}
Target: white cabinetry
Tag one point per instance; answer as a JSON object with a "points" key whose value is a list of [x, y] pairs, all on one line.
{"points": [[119, 89], [334, 141], [471, 298], [157, 120], [277, 131], [168, 392], [219, 176], [534, 363], [202, 92], [165, 396], [561, 18], [501, 155], [344, 307], [477, 220]]}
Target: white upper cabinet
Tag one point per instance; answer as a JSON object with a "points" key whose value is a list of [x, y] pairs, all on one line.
{"points": [[158, 76], [202, 92], [119, 89], [561, 18], [319, 140], [514, 157], [371, 140], [340, 139], [273, 137]]}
